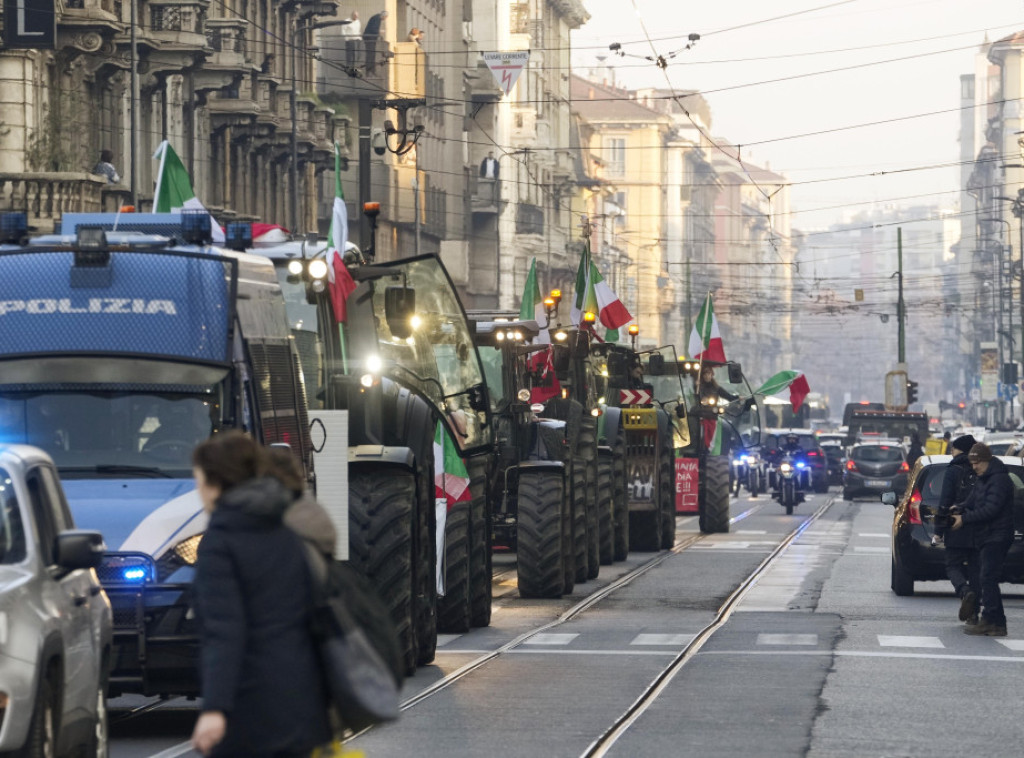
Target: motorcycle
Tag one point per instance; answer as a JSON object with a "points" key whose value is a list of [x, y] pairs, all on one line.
{"points": [[791, 478], [739, 472]]}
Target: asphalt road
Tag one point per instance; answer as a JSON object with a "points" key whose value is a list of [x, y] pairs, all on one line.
{"points": [[817, 658]]}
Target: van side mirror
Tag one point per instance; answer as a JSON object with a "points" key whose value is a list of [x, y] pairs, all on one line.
{"points": [[399, 308], [889, 498]]}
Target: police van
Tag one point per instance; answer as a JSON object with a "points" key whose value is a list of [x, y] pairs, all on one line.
{"points": [[119, 352]]}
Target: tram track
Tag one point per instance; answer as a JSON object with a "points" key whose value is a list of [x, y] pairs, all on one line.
{"points": [[584, 604]]}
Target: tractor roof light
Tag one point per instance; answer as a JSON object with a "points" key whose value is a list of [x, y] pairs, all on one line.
{"points": [[556, 295], [371, 209], [589, 317], [634, 330], [561, 335], [549, 303]]}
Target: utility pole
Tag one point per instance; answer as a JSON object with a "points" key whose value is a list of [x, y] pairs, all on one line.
{"points": [[900, 305], [134, 111]]}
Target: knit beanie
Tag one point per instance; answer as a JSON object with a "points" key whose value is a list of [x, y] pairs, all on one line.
{"points": [[980, 452], [965, 443]]}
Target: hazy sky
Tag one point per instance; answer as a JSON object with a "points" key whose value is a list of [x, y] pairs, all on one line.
{"points": [[740, 51]]}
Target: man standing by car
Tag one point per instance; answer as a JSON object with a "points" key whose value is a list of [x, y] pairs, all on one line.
{"points": [[990, 510], [961, 567]]}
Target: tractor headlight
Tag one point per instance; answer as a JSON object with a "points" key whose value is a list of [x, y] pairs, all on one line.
{"points": [[523, 395], [295, 268]]}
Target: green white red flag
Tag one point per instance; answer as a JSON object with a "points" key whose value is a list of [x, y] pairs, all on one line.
{"points": [[706, 339], [451, 479], [794, 380], [593, 295], [339, 280], [174, 191], [531, 307]]}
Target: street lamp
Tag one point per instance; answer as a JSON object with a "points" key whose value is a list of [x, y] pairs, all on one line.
{"points": [[320, 9]]}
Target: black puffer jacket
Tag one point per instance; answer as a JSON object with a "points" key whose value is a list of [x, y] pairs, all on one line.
{"points": [[957, 483], [989, 509], [252, 598]]}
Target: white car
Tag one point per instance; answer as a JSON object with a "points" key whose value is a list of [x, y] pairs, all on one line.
{"points": [[55, 620]]}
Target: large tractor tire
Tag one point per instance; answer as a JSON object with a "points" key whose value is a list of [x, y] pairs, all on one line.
{"points": [[381, 546], [540, 534], [568, 538], [714, 506], [593, 520], [605, 508], [453, 606], [620, 502], [426, 562], [579, 522], [667, 496], [645, 530], [480, 587]]}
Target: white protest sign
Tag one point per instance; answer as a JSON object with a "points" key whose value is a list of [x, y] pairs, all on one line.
{"points": [[507, 67]]}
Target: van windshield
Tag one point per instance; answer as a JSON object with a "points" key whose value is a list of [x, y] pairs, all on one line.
{"points": [[112, 434]]}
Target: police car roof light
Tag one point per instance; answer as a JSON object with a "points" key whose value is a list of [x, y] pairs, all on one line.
{"points": [[91, 248], [13, 227], [196, 227], [238, 235]]}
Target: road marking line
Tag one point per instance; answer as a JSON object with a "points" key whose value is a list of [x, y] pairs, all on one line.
{"points": [[444, 639], [879, 550], [551, 638], [787, 639], [662, 639], [174, 752], [874, 534], [750, 531], [891, 640], [874, 654], [1015, 645]]}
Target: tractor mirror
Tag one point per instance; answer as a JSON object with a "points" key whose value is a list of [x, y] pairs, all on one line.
{"points": [[656, 365], [399, 308], [616, 364], [560, 358], [735, 373]]}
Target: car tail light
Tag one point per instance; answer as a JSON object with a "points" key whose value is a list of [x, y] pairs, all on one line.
{"points": [[813, 454], [915, 508], [850, 465], [904, 468]]}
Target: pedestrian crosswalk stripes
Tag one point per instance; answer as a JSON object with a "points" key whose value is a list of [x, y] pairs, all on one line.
{"points": [[891, 640], [551, 638], [787, 639], [662, 639]]}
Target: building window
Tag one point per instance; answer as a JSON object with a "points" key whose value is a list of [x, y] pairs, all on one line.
{"points": [[520, 13], [615, 155], [967, 88], [529, 219]]}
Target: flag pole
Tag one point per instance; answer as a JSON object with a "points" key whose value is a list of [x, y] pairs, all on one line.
{"points": [[162, 150]]}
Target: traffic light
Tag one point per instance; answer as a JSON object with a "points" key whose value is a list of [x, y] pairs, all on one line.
{"points": [[1009, 373], [911, 392]]}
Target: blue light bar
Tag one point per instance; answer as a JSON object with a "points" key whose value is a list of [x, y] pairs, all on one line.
{"points": [[801, 464], [196, 227], [238, 235], [134, 574], [13, 227]]}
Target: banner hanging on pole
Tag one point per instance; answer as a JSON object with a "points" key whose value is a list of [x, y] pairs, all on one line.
{"points": [[507, 67]]}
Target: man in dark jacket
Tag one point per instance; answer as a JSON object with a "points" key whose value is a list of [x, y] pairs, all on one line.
{"points": [[957, 484], [990, 510]]}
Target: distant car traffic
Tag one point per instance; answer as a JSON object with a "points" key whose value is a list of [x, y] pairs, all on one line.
{"points": [[55, 620], [914, 557], [835, 458], [1005, 443], [873, 468]]}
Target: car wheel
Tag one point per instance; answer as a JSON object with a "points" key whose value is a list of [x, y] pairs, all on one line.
{"points": [[902, 582], [42, 730], [847, 495]]}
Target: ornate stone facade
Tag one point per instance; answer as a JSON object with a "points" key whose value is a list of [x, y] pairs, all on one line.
{"points": [[215, 78]]}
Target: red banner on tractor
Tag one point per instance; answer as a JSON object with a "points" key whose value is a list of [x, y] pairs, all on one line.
{"points": [[687, 478]]}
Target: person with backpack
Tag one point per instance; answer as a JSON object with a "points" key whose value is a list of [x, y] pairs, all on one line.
{"points": [[262, 687], [961, 566]]}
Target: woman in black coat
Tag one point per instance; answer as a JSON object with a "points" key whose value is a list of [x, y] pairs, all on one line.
{"points": [[263, 696]]}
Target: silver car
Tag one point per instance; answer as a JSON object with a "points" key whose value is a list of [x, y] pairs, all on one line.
{"points": [[55, 620]]}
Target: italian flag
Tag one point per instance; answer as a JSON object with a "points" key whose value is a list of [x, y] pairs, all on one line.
{"points": [[451, 486], [339, 281], [713, 435], [532, 305], [706, 339], [794, 380], [595, 296], [174, 188]]}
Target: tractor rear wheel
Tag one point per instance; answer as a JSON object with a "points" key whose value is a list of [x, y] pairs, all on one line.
{"points": [[605, 508], [714, 506], [540, 534]]}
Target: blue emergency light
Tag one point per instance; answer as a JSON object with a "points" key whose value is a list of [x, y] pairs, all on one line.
{"points": [[238, 236], [134, 574], [196, 227]]}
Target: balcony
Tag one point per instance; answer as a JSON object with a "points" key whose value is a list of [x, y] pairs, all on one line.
{"points": [[46, 196], [486, 195], [343, 56], [178, 24]]}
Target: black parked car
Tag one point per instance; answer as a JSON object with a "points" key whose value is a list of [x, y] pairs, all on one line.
{"points": [[873, 468], [914, 557], [835, 458]]}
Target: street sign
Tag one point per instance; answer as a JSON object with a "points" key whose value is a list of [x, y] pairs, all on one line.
{"points": [[976, 394], [635, 397], [30, 24], [507, 67]]}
